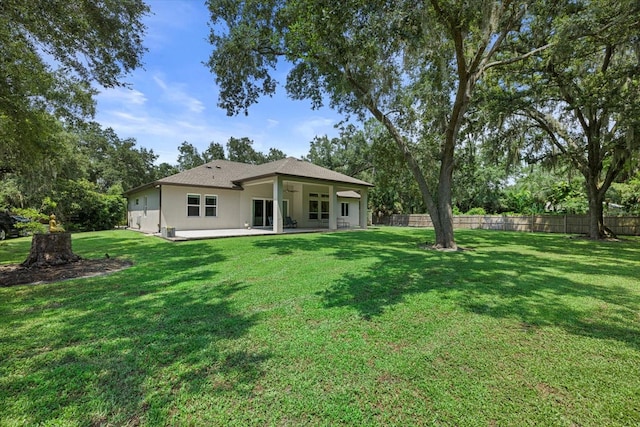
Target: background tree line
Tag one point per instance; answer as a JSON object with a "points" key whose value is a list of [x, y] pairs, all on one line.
{"points": [[483, 182], [84, 181]]}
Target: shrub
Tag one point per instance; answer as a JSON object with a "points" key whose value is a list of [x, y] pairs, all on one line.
{"points": [[476, 211], [37, 223], [81, 207]]}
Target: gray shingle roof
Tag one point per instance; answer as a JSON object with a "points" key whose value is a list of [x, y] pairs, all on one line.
{"points": [[219, 174], [227, 174], [298, 168]]}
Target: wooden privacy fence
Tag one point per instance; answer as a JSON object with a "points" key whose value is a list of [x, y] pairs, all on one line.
{"points": [[568, 224]]}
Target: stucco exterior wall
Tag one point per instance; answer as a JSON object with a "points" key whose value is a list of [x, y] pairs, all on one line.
{"points": [[143, 210], [296, 206], [174, 207], [353, 219]]}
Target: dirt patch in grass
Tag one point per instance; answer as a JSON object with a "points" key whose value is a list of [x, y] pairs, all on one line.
{"points": [[15, 274]]}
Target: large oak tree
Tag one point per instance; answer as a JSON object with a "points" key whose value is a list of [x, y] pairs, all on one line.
{"points": [[411, 65], [579, 100]]}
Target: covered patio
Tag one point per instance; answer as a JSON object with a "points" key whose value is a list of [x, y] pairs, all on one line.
{"points": [[312, 204]]}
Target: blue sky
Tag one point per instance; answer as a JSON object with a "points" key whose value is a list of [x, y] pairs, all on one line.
{"points": [[174, 98]]}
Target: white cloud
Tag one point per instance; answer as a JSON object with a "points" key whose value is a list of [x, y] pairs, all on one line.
{"points": [[164, 131], [308, 129], [124, 96], [121, 115], [175, 94]]}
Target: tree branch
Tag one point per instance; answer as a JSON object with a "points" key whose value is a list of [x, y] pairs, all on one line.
{"points": [[552, 128], [518, 58], [614, 170], [456, 34], [607, 58], [361, 93]]}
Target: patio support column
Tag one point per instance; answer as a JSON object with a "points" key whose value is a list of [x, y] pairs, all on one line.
{"points": [[333, 205], [277, 204], [364, 212]]}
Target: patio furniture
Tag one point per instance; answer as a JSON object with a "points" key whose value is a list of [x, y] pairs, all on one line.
{"points": [[342, 223], [290, 223]]}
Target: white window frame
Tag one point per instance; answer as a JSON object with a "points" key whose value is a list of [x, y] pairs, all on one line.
{"points": [[322, 202], [191, 205], [324, 209], [344, 209], [314, 209], [214, 206]]}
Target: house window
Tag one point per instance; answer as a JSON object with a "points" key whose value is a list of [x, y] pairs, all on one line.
{"points": [[193, 205], [313, 209], [324, 207], [146, 205], [210, 205], [344, 209], [318, 206]]}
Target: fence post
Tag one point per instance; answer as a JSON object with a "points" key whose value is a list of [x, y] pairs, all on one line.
{"points": [[532, 222], [565, 223]]}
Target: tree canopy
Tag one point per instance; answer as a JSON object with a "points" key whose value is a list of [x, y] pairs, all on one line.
{"points": [[52, 54], [241, 150]]}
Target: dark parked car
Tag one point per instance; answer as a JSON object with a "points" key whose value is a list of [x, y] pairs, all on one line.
{"points": [[8, 224]]}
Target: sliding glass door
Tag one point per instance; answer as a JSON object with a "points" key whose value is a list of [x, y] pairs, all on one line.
{"points": [[263, 212]]}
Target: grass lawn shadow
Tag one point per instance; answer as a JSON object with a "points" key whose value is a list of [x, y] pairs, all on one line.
{"points": [[131, 340], [537, 279]]}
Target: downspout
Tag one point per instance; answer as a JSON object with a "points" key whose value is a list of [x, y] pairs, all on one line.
{"points": [[159, 187]]}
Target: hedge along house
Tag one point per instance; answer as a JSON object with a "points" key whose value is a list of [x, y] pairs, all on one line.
{"points": [[230, 195]]}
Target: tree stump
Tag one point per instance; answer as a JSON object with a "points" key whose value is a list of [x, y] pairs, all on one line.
{"points": [[50, 249]]}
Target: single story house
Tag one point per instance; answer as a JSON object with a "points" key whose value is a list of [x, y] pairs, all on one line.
{"points": [[227, 195]]}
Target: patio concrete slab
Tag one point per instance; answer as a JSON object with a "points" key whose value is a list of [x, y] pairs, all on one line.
{"points": [[182, 235], [212, 234]]}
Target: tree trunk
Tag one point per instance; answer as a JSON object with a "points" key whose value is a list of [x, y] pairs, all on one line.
{"points": [[445, 238], [596, 218], [596, 214], [440, 217], [50, 249]]}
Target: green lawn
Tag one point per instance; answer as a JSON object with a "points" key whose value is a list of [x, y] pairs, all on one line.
{"points": [[360, 328]]}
